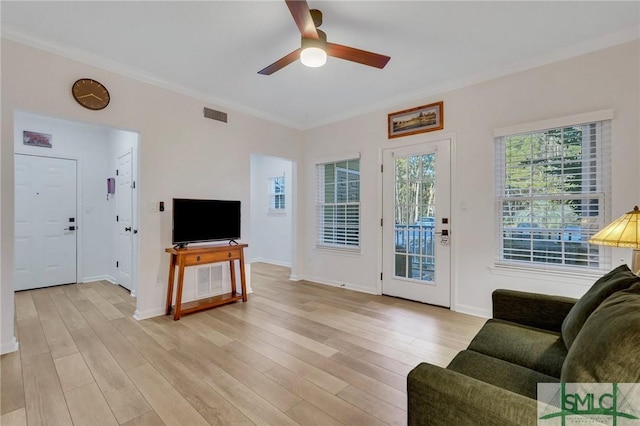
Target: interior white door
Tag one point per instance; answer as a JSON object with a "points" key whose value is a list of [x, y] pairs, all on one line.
{"points": [[416, 223], [45, 243], [124, 209]]}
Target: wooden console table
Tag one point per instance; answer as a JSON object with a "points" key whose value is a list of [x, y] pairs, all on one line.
{"points": [[201, 255]]}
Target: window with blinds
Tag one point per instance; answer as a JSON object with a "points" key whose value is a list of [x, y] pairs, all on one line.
{"points": [[552, 195], [338, 204], [276, 195]]}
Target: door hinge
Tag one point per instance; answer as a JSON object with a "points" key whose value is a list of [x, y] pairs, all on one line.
{"points": [[381, 221], [381, 168], [117, 172], [380, 276], [133, 185], [117, 264], [117, 218]]}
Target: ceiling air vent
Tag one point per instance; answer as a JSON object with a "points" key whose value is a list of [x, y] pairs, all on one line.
{"points": [[215, 115]]}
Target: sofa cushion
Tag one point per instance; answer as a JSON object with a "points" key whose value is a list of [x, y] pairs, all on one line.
{"points": [[503, 374], [619, 278], [607, 349], [533, 348]]}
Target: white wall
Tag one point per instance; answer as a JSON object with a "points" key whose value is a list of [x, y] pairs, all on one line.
{"points": [[90, 146], [271, 237], [180, 154], [606, 79]]}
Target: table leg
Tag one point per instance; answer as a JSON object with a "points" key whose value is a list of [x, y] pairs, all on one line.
{"points": [[177, 311], [172, 273], [232, 271], [243, 282]]}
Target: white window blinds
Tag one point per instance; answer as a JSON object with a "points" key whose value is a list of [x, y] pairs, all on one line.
{"points": [[552, 194], [338, 204]]}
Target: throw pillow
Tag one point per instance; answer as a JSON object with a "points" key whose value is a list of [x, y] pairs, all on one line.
{"points": [[607, 349], [619, 278]]}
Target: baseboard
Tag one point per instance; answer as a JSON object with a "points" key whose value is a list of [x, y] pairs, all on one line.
{"points": [[151, 313], [99, 278], [294, 278], [10, 346], [271, 262], [344, 285], [471, 310]]}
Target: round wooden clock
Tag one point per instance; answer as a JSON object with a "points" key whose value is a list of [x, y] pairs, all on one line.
{"points": [[90, 94]]}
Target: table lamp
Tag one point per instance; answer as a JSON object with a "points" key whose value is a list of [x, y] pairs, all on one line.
{"points": [[622, 232]]}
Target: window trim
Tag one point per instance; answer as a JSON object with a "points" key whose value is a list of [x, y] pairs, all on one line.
{"points": [[605, 178], [570, 120], [272, 209], [329, 247]]}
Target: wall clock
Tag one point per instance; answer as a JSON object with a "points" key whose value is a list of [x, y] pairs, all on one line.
{"points": [[90, 94]]}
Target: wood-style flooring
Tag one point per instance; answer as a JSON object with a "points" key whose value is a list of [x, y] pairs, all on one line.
{"points": [[295, 353]]}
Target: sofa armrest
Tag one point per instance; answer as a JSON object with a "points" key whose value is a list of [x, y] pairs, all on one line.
{"points": [[531, 309], [437, 396]]}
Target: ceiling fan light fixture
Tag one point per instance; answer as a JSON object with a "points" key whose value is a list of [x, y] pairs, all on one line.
{"points": [[313, 57], [314, 48]]}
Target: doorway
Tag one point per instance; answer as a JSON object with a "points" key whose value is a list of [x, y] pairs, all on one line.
{"points": [[416, 228], [96, 152], [272, 210]]}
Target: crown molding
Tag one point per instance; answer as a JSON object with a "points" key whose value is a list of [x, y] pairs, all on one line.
{"points": [[610, 40], [613, 39], [134, 73]]}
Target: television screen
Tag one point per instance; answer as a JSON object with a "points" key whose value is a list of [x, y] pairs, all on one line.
{"points": [[205, 220]]}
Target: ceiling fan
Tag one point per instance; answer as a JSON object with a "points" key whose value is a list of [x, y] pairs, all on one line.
{"points": [[315, 47]]}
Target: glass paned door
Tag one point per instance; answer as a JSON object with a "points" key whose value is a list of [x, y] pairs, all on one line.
{"points": [[416, 225]]}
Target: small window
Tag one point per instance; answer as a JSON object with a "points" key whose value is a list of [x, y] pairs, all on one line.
{"points": [[276, 195], [338, 204], [552, 195]]}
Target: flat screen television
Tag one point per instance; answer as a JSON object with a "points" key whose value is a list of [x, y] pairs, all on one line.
{"points": [[196, 221]]}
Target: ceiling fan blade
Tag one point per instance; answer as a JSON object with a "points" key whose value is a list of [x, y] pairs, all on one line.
{"points": [[281, 63], [302, 16], [357, 55]]}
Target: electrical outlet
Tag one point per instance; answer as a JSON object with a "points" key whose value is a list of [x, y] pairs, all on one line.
{"points": [[153, 207]]}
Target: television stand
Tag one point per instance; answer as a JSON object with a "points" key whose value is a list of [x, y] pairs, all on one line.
{"points": [[202, 255]]}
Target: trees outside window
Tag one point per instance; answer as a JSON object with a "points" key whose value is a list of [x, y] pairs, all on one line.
{"points": [[551, 194], [338, 204]]}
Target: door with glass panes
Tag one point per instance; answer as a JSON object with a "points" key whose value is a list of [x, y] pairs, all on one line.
{"points": [[416, 223]]}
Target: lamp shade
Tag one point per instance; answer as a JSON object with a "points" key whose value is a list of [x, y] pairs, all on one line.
{"points": [[622, 232]]}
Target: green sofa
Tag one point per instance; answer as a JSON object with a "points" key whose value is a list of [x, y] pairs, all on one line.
{"points": [[533, 338]]}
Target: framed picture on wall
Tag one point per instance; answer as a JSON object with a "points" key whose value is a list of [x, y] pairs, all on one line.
{"points": [[36, 139], [426, 118]]}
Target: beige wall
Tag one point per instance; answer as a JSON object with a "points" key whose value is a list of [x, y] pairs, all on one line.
{"points": [[181, 153], [606, 79]]}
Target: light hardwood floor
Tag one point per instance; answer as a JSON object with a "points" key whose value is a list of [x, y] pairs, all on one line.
{"points": [[295, 353]]}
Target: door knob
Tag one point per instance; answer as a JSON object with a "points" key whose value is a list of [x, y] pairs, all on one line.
{"points": [[71, 228], [127, 229]]}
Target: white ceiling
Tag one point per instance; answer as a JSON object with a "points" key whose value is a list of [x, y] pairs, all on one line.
{"points": [[213, 49]]}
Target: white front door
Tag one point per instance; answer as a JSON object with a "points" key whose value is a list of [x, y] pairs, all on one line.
{"points": [[416, 223], [124, 205], [45, 222]]}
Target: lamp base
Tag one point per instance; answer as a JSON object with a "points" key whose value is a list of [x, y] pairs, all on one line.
{"points": [[635, 262]]}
